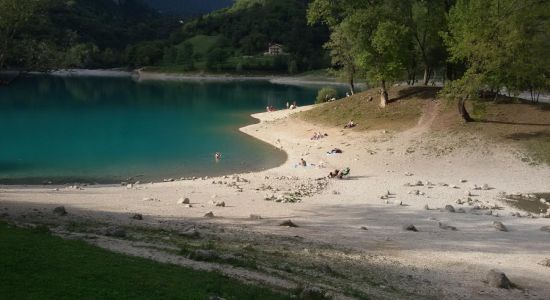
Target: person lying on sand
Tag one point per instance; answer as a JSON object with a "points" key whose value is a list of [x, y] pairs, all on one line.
{"points": [[335, 151], [350, 124]]}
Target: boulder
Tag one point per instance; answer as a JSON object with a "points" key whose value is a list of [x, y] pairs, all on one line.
{"points": [[255, 217], [184, 201], [220, 204], [209, 215], [115, 232], [446, 227], [60, 211], [203, 255], [313, 292], [498, 279], [449, 208], [138, 217], [499, 226], [288, 223], [190, 232], [410, 227], [545, 262]]}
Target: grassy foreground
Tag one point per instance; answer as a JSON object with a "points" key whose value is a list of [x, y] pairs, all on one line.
{"points": [[37, 265]]}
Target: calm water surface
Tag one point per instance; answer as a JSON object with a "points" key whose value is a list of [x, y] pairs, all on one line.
{"points": [[106, 130]]}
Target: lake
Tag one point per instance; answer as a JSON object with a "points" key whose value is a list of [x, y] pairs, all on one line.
{"points": [[108, 130]]}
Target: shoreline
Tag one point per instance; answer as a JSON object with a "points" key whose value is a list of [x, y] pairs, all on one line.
{"points": [[335, 211]]}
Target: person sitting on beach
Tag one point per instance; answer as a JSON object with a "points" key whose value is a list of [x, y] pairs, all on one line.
{"points": [[303, 163], [350, 124], [334, 173]]}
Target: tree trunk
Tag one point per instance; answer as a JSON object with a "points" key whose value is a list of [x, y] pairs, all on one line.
{"points": [[383, 95], [352, 85], [462, 110], [426, 75]]}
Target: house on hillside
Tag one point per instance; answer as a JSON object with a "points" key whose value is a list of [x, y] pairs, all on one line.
{"points": [[274, 50]]}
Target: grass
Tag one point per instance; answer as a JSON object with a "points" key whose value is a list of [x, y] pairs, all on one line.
{"points": [[36, 265], [400, 114]]}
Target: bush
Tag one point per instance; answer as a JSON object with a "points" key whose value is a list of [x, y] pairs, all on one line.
{"points": [[325, 94]]}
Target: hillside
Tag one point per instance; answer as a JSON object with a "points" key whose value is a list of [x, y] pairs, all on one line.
{"points": [[187, 7], [247, 29]]}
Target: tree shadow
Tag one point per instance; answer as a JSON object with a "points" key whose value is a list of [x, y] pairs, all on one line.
{"points": [[510, 123], [422, 92], [528, 135]]}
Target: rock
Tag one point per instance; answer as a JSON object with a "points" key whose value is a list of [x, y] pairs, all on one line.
{"points": [[485, 187], [499, 226], [419, 183], [209, 215], [545, 228], [498, 279], [426, 207], [255, 217], [190, 232], [288, 223], [115, 232], [463, 180], [410, 227], [545, 262], [149, 199], [447, 227], [542, 200], [60, 211], [449, 208], [129, 186], [461, 210], [203, 255], [184, 201], [469, 194], [313, 292], [220, 204], [364, 228], [138, 217]]}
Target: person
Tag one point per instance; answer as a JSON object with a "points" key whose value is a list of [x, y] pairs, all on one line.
{"points": [[350, 124], [218, 156], [334, 173], [335, 151], [303, 163], [267, 108], [287, 105]]}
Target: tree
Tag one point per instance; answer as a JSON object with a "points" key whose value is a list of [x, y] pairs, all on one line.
{"points": [[504, 45], [377, 31], [16, 19], [341, 52], [185, 56]]}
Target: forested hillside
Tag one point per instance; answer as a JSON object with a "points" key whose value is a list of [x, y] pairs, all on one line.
{"points": [[187, 7], [239, 36]]}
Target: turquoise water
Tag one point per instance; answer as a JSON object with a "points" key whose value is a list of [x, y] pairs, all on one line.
{"points": [[107, 130]]}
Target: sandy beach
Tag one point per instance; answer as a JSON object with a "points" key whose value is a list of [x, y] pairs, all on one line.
{"points": [[396, 179]]}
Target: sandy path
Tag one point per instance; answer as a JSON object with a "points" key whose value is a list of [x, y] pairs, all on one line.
{"points": [[455, 261]]}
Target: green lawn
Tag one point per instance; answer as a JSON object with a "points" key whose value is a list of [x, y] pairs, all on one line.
{"points": [[37, 265]]}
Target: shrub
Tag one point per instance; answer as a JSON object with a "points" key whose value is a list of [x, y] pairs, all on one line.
{"points": [[325, 94]]}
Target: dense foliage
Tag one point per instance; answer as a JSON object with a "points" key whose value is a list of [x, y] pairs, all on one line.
{"points": [[501, 45]]}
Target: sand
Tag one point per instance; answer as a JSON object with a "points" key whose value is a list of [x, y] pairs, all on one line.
{"points": [[454, 262]]}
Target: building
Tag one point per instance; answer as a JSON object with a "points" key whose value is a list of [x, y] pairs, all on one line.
{"points": [[274, 50]]}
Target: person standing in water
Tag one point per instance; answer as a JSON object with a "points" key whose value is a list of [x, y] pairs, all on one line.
{"points": [[218, 156]]}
